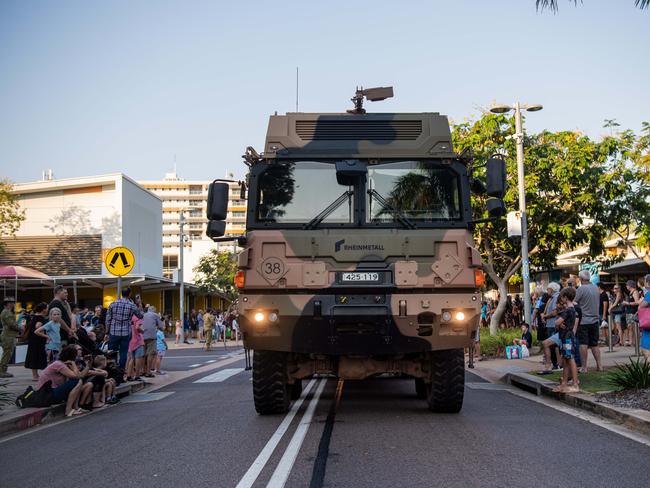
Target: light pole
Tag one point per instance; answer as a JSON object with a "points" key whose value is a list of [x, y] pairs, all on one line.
{"points": [[180, 275], [519, 139]]}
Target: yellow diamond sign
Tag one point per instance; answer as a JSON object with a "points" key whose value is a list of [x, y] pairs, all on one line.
{"points": [[119, 261]]}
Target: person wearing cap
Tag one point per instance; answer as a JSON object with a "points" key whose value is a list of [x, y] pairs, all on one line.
{"points": [[10, 330]]}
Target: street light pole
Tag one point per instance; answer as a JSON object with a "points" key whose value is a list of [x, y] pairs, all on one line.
{"points": [[180, 275], [525, 267], [519, 139]]}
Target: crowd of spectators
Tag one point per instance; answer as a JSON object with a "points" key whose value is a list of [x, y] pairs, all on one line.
{"points": [[81, 354]]}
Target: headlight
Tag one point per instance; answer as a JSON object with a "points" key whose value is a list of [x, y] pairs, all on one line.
{"points": [[460, 316], [446, 316], [259, 316], [273, 317]]}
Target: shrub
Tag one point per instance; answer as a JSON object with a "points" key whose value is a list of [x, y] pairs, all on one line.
{"points": [[496, 345], [632, 376]]}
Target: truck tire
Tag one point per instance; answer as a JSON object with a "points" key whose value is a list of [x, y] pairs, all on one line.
{"points": [[420, 388], [447, 387], [270, 389]]}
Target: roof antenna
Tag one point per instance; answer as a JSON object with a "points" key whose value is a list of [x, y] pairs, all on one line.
{"points": [[296, 88], [371, 94]]}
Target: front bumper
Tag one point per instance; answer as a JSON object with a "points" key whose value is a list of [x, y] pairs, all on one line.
{"points": [[359, 324]]}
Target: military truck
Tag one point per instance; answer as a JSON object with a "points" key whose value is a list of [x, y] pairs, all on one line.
{"points": [[358, 258]]}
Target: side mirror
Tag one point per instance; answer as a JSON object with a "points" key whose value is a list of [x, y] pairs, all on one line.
{"points": [[216, 228], [350, 171], [242, 190], [496, 177], [218, 201], [495, 207]]}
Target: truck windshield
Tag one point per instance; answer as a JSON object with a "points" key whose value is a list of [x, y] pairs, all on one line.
{"points": [[403, 193], [297, 192], [419, 191]]}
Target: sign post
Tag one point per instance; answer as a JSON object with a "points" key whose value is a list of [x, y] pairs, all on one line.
{"points": [[119, 261]]}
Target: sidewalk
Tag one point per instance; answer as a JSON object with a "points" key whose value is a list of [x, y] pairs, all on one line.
{"points": [[14, 419], [521, 373]]}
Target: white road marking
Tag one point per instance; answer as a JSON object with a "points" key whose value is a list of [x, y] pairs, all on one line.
{"points": [[194, 365], [211, 361], [258, 465], [219, 376], [283, 470], [146, 397]]}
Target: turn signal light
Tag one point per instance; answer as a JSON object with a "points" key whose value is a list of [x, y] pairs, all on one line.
{"points": [[479, 278], [239, 279]]}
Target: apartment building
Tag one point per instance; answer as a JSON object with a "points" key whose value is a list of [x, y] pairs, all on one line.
{"points": [[190, 197]]}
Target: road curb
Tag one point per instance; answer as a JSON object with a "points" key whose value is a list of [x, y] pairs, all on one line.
{"points": [[638, 420], [30, 417]]}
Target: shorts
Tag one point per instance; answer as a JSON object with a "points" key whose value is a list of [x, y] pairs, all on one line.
{"points": [[568, 350], [588, 334], [631, 319], [150, 347], [477, 336], [52, 355], [60, 393], [138, 352], [98, 383], [556, 339], [161, 354]]}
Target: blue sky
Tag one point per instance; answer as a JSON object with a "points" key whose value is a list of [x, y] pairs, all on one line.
{"points": [[97, 87]]}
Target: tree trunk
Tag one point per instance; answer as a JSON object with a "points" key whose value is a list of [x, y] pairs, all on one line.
{"points": [[495, 320]]}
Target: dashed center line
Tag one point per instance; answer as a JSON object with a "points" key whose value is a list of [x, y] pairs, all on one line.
{"points": [[194, 365], [220, 376]]}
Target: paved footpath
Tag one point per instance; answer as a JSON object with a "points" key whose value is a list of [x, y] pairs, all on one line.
{"points": [[201, 430]]}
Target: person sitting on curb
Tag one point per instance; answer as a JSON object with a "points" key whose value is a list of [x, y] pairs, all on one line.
{"points": [[526, 337], [66, 381]]}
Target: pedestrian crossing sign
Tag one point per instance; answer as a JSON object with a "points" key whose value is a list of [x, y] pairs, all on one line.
{"points": [[119, 261]]}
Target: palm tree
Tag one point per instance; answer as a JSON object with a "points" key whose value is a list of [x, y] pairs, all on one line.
{"points": [[552, 4]]}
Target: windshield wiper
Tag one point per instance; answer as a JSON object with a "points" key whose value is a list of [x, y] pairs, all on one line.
{"points": [[313, 223], [403, 219]]}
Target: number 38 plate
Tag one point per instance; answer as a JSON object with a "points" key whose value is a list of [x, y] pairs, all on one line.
{"points": [[359, 276]]}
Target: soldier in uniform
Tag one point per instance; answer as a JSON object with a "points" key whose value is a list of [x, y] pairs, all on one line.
{"points": [[10, 330]]}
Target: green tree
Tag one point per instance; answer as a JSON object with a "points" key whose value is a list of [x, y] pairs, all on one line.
{"points": [[562, 169], [624, 190], [552, 4], [11, 215], [215, 273]]}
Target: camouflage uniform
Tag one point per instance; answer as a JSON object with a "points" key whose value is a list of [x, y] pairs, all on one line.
{"points": [[10, 330], [208, 325]]}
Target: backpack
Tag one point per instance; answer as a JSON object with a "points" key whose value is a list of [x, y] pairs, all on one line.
{"points": [[43, 397]]}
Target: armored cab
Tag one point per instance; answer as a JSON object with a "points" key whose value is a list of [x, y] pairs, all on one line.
{"points": [[358, 258]]}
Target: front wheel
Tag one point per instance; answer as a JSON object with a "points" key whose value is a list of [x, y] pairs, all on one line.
{"points": [[446, 389], [270, 389]]}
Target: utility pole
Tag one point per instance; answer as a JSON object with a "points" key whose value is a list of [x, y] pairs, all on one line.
{"points": [[180, 274]]}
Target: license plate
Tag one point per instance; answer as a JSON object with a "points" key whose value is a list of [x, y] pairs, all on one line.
{"points": [[359, 276]]}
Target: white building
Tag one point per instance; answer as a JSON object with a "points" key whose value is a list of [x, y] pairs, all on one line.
{"points": [[190, 197], [112, 206]]}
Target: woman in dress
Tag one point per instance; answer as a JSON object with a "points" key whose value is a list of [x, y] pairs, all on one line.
{"points": [[36, 356]]}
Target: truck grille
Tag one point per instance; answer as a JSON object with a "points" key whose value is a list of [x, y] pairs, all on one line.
{"points": [[352, 130]]}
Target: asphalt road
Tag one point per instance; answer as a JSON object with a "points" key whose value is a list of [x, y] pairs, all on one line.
{"points": [[207, 434], [187, 359]]}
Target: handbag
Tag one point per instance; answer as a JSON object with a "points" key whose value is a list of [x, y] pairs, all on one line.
{"points": [[644, 318], [513, 352]]}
